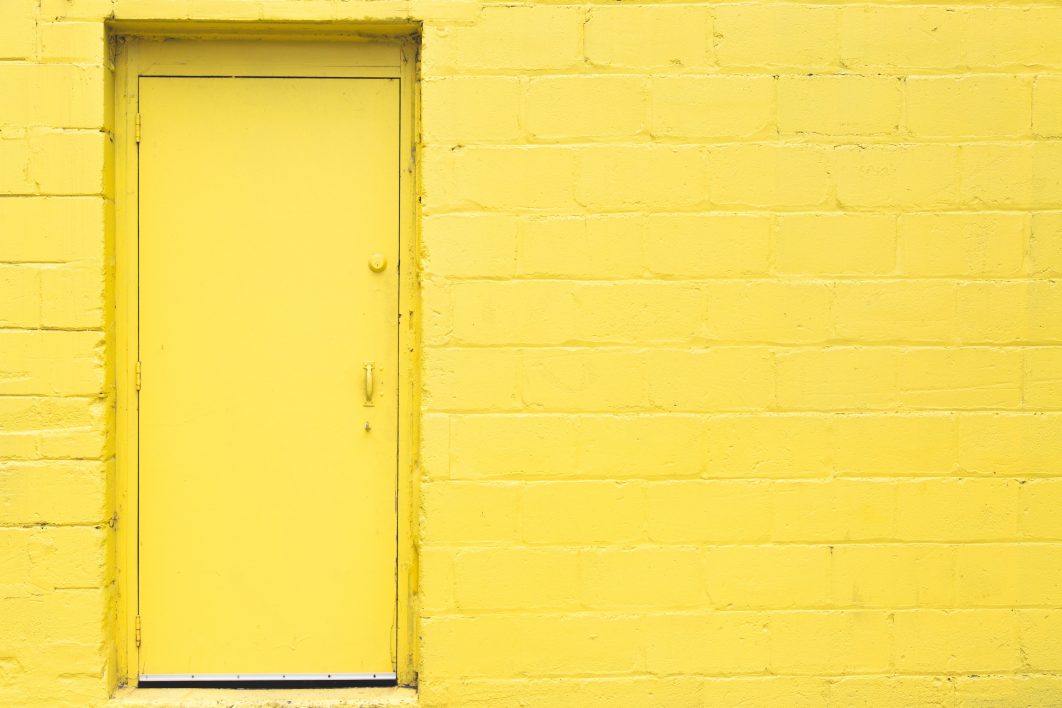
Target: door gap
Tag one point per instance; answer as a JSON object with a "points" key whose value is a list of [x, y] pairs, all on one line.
{"points": [[269, 683]]}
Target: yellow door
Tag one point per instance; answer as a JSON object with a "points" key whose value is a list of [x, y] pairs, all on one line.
{"points": [[268, 283]]}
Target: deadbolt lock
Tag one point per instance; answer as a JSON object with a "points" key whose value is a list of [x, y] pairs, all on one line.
{"points": [[377, 262]]}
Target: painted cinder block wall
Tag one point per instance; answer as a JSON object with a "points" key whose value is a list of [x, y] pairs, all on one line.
{"points": [[741, 350]]}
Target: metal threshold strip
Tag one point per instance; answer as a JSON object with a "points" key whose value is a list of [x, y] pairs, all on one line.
{"points": [[268, 678]]}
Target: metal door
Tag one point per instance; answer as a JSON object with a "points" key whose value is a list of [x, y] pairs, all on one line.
{"points": [[268, 289]]}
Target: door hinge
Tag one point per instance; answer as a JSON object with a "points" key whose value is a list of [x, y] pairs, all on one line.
{"points": [[137, 128], [138, 377], [138, 630]]}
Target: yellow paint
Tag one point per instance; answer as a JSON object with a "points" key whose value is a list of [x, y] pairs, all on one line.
{"points": [[739, 339], [260, 470], [302, 163]]}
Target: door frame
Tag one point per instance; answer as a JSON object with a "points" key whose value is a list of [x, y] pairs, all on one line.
{"points": [[221, 51]]}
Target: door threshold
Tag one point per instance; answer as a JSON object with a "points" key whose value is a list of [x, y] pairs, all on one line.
{"points": [[209, 697]]}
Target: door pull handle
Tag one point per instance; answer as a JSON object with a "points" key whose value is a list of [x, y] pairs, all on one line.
{"points": [[369, 384]]}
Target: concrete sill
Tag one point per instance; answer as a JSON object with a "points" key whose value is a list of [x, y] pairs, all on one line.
{"points": [[264, 698]]}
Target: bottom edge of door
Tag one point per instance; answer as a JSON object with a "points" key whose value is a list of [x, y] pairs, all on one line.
{"points": [[211, 678]]}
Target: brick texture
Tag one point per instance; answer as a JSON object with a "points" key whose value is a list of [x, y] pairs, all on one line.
{"points": [[742, 350]]}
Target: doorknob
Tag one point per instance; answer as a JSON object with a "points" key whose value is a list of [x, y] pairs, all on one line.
{"points": [[377, 262], [369, 384]]}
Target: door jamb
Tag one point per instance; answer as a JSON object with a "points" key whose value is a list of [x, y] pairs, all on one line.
{"points": [[287, 53]]}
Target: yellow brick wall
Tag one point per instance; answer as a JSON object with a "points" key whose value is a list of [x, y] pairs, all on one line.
{"points": [[742, 350]]}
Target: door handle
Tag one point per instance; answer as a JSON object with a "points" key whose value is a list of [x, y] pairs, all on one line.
{"points": [[369, 384]]}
